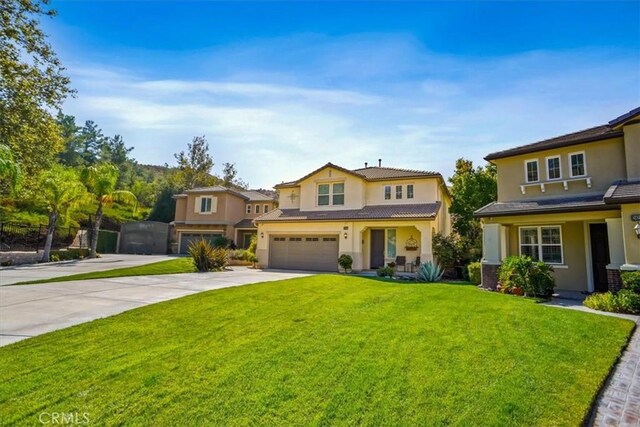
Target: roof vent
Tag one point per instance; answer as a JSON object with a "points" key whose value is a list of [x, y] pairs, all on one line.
{"points": [[379, 162], [366, 164]]}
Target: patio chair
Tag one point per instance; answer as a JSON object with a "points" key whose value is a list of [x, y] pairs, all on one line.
{"points": [[401, 261]]}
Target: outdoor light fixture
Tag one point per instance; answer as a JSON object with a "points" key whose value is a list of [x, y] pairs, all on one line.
{"points": [[345, 234], [637, 230], [262, 235]]}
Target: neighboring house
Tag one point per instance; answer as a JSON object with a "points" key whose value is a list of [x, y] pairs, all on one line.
{"points": [[572, 201], [374, 214], [211, 212]]}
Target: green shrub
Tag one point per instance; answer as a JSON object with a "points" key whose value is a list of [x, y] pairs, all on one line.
{"points": [[207, 258], [68, 254], [534, 278], [429, 272], [603, 302], [631, 281], [253, 244], [475, 273], [222, 242], [628, 301], [240, 255], [345, 261], [386, 271]]}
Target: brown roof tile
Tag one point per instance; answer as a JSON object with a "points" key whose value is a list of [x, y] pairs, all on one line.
{"points": [[245, 223], [526, 207], [376, 212], [256, 196], [623, 192], [378, 172]]}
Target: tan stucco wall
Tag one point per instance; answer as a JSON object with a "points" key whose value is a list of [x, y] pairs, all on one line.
{"points": [[253, 214], [357, 242], [605, 163], [285, 201], [353, 190], [424, 191], [631, 242], [632, 149], [181, 209], [220, 208]]}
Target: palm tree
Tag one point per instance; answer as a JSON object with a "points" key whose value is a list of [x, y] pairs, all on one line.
{"points": [[9, 168], [63, 192], [101, 180]]}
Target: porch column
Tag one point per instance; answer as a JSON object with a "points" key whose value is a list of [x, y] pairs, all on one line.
{"points": [[616, 253], [426, 250]]}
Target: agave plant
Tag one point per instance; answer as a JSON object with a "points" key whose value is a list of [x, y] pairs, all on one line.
{"points": [[429, 272]]}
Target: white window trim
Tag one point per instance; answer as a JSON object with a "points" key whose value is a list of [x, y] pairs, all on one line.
{"points": [[384, 192], [256, 209], [401, 192], [526, 171], [265, 208], [584, 159], [249, 209], [331, 193], [413, 191], [539, 245], [210, 204], [547, 167]]}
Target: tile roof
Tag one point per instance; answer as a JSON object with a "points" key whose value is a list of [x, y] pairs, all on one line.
{"points": [[623, 192], [587, 135], [379, 172], [526, 207], [212, 189], [245, 223], [375, 212], [256, 196], [623, 118]]}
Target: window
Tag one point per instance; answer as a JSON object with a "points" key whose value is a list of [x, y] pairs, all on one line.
{"points": [[331, 194], [265, 209], [578, 164], [553, 168], [205, 204], [410, 191], [248, 209], [398, 191], [391, 243], [257, 209], [387, 192], [531, 170], [542, 243]]}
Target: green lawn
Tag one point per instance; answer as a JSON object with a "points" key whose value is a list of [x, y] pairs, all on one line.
{"points": [[172, 266], [321, 350]]}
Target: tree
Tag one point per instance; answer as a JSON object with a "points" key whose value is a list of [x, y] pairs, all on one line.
{"points": [[194, 166], [101, 181], [229, 177], [471, 189], [164, 208], [92, 141], [62, 192], [32, 83], [71, 154], [10, 171]]}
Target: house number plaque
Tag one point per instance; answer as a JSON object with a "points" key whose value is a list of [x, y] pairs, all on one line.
{"points": [[635, 217]]}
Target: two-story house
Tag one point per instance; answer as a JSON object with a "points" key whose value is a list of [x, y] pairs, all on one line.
{"points": [[572, 201], [374, 214], [211, 212]]}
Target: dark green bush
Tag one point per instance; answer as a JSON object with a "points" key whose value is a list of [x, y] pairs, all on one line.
{"points": [[631, 281], [386, 271], [207, 258], [222, 242], [628, 301], [253, 244], [534, 278], [625, 301], [475, 273], [345, 261], [68, 254]]}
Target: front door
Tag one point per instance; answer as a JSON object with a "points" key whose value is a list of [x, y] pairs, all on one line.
{"points": [[377, 248], [599, 256]]}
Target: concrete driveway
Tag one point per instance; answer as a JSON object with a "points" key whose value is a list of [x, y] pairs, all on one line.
{"points": [[29, 310], [28, 272]]}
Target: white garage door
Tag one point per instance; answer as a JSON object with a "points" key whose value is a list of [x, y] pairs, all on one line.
{"points": [[317, 253]]}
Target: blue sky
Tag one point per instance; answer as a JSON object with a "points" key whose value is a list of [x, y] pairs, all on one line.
{"points": [[282, 88]]}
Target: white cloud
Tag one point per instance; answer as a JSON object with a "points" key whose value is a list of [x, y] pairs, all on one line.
{"points": [[281, 108]]}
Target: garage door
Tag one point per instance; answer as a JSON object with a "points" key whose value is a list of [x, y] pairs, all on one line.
{"points": [[317, 253], [187, 238]]}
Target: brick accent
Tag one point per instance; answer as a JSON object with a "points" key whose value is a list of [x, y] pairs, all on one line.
{"points": [[613, 280], [490, 276]]}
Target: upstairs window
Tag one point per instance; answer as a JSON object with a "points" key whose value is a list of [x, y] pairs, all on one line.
{"points": [[248, 209], [265, 209], [398, 191], [387, 192], [331, 194], [410, 191], [578, 165], [205, 204], [257, 209], [531, 170], [553, 168]]}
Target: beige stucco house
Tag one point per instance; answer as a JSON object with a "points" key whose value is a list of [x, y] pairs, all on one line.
{"points": [[572, 201], [210, 212], [374, 214]]}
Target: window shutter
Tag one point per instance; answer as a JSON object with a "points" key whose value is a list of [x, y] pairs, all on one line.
{"points": [[197, 207], [214, 204]]}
